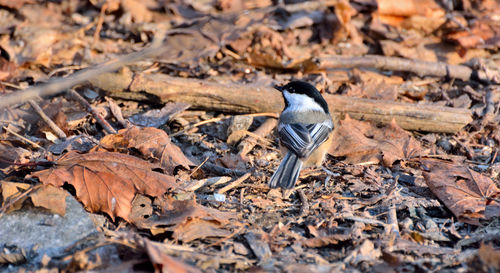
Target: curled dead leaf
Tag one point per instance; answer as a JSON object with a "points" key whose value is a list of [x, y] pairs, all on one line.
{"points": [[152, 143], [188, 220], [163, 262]]}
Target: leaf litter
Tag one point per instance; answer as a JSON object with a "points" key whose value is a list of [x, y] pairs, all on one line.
{"points": [[183, 194]]}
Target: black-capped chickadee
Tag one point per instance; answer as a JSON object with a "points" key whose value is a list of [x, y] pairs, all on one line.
{"points": [[304, 129]]}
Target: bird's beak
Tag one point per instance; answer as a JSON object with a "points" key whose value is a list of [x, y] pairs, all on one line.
{"points": [[279, 88]]}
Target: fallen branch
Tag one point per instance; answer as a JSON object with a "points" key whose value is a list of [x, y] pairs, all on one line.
{"points": [[421, 68], [242, 98]]}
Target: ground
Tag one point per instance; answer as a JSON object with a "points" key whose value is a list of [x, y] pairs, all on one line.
{"points": [[139, 136]]}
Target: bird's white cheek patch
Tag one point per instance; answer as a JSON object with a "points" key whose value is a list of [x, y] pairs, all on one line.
{"points": [[300, 102]]}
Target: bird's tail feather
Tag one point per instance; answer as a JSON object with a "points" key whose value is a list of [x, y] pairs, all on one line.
{"points": [[287, 173]]}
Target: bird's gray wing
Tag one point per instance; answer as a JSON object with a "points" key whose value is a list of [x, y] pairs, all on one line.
{"points": [[303, 139]]}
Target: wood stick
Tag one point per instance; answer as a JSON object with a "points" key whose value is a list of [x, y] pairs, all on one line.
{"points": [[242, 98], [34, 144], [100, 119], [62, 84], [234, 184], [247, 144], [421, 68], [59, 132], [304, 209]]}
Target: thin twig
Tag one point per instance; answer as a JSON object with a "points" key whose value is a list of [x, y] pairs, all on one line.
{"points": [[219, 119], [23, 138], [60, 133], [234, 184], [199, 166], [100, 119], [194, 185], [62, 84], [117, 113], [98, 28], [365, 220], [64, 68]]}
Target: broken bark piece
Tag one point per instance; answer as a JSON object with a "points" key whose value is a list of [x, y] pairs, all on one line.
{"points": [[259, 247], [241, 98]]}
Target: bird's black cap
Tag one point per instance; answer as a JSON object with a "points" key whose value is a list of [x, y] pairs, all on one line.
{"points": [[304, 88]]}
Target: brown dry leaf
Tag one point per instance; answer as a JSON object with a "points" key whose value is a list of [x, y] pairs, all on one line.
{"points": [[484, 32], [187, 220], [408, 8], [425, 16], [51, 198], [269, 49], [142, 208], [152, 143], [240, 5], [489, 256], [326, 240], [8, 69], [15, 4], [202, 39], [419, 51], [232, 161], [138, 10], [46, 45], [362, 143], [465, 192], [107, 182], [344, 11], [10, 155], [13, 189], [198, 229], [8, 189], [165, 263], [266, 203], [365, 252]]}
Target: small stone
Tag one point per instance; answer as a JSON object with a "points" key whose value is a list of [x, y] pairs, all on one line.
{"points": [[25, 229], [236, 125], [445, 144], [431, 226], [240, 249], [406, 224]]}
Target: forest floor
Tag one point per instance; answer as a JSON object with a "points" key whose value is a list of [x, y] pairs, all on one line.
{"points": [[139, 136]]}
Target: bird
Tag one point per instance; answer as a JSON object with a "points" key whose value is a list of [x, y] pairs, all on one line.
{"points": [[305, 130]]}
